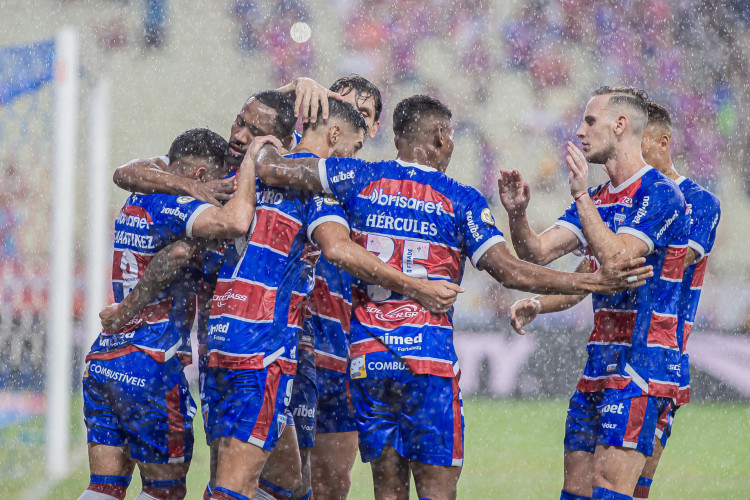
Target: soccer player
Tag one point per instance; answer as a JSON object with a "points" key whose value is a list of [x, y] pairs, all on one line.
{"points": [[705, 212], [252, 337], [137, 407], [403, 371], [633, 367]]}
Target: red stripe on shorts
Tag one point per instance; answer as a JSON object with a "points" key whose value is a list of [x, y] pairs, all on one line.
{"points": [[267, 410], [636, 417], [176, 432], [458, 442]]}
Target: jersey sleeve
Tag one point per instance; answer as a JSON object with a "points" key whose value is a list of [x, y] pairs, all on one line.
{"points": [[477, 225], [342, 177], [177, 215], [322, 209], [570, 221], [658, 213], [705, 215]]}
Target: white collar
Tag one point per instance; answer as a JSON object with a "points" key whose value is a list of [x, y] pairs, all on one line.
{"points": [[679, 180], [631, 180], [416, 165]]}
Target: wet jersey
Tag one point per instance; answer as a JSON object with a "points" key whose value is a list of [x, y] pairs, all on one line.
{"points": [[704, 212], [259, 302], [423, 223], [145, 225], [634, 343], [331, 301]]}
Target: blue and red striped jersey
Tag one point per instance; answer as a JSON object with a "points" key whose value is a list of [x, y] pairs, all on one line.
{"points": [[423, 223], [704, 212], [145, 225], [633, 345], [331, 300], [259, 304]]}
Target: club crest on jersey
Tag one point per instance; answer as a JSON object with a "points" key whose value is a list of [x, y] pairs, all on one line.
{"points": [[357, 368], [486, 217], [280, 423], [619, 219], [330, 201], [184, 199]]}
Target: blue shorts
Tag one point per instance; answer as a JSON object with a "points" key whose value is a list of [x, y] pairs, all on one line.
{"points": [[608, 418], [335, 413], [421, 416], [135, 401], [664, 424], [305, 399], [249, 405]]}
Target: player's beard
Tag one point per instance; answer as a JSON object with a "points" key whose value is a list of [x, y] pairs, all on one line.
{"points": [[603, 156]]}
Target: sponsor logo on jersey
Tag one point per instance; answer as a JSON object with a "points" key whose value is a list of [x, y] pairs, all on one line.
{"points": [[386, 365], [608, 425], [675, 368], [380, 197], [626, 201], [342, 176], [184, 199], [473, 226], [269, 197], [487, 217], [117, 376], [407, 311], [304, 412], [174, 211], [614, 408], [221, 300], [641, 213], [382, 221], [357, 368], [132, 220], [398, 340], [218, 328], [667, 224]]}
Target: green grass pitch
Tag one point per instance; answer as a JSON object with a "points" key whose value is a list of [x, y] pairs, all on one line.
{"points": [[513, 450]]}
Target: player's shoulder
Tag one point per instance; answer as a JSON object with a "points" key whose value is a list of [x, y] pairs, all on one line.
{"points": [[700, 197], [657, 185]]}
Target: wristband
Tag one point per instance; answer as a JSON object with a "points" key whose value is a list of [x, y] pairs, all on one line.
{"points": [[576, 198], [536, 302]]}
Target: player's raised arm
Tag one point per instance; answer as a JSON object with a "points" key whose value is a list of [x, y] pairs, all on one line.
{"points": [[234, 218], [618, 274], [148, 176], [537, 248], [279, 171], [161, 271], [333, 239]]}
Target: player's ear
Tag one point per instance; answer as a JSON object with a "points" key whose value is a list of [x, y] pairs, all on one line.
{"points": [[441, 137], [374, 129], [334, 135], [200, 173], [287, 142], [620, 123], [664, 142]]}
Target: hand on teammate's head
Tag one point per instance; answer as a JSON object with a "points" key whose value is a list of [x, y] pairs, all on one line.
{"points": [[259, 142], [311, 98]]}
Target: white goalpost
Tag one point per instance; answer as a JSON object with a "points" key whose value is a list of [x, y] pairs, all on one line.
{"points": [[60, 322]]}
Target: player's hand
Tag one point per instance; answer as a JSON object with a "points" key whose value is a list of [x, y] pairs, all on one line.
{"points": [[514, 191], [112, 318], [214, 192], [523, 312], [259, 142], [311, 97], [621, 273], [437, 296], [578, 170]]}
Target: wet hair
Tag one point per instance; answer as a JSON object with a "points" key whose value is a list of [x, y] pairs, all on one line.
{"points": [[631, 97], [658, 115], [342, 110], [283, 104], [199, 142], [363, 89], [412, 110]]}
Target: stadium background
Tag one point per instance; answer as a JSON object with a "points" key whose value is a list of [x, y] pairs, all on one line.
{"points": [[516, 75]]}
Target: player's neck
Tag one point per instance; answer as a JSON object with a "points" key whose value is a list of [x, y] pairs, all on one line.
{"points": [[421, 157], [622, 167], [311, 145], [667, 168]]}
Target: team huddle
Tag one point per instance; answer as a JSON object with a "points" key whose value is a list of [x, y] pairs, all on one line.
{"points": [[323, 288]]}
